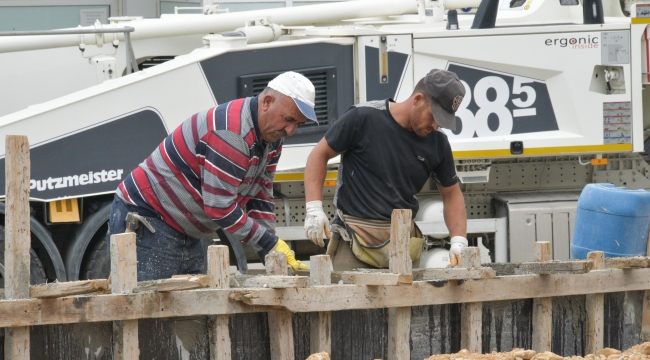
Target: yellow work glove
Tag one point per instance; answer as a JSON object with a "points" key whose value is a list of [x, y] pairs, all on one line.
{"points": [[296, 265]]}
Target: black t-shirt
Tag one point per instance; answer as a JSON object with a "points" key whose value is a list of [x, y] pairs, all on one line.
{"points": [[384, 165]]}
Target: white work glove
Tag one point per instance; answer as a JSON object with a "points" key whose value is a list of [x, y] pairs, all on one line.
{"points": [[458, 243], [317, 224]]}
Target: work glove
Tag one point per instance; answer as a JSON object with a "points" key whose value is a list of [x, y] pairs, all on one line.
{"points": [[317, 224], [458, 243], [296, 265]]}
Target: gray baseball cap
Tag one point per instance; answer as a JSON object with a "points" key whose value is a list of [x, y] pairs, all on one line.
{"points": [[446, 93]]}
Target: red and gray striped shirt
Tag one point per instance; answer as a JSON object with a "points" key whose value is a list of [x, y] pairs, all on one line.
{"points": [[213, 171]]}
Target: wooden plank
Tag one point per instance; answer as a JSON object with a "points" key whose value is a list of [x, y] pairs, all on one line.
{"points": [[453, 274], [30, 312], [471, 314], [219, 275], [400, 235], [320, 327], [595, 308], [17, 238], [176, 283], [57, 289], [627, 262], [124, 278], [280, 324], [276, 282], [399, 333], [375, 279], [553, 267], [542, 307]]}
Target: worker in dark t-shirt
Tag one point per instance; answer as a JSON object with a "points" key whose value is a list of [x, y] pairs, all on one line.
{"points": [[388, 152]]}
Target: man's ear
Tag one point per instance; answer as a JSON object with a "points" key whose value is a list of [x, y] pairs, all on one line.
{"points": [[418, 98], [267, 102]]}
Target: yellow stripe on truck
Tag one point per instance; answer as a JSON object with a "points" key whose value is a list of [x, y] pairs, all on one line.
{"points": [[473, 154], [559, 150], [299, 176]]}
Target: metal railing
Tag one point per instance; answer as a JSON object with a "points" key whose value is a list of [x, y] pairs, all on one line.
{"points": [[131, 63]]}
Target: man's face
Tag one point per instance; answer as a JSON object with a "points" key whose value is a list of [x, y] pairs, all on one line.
{"points": [[280, 117], [421, 118]]}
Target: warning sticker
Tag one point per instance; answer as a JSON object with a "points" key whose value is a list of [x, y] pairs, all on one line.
{"points": [[617, 122]]}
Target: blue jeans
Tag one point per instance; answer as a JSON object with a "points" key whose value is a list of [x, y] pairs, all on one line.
{"points": [[161, 254]]}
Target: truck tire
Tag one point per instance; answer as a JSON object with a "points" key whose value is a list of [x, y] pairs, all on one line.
{"points": [[86, 240], [97, 263], [40, 234], [36, 271]]}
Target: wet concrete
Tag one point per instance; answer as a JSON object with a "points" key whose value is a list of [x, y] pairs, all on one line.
{"points": [[356, 334]]}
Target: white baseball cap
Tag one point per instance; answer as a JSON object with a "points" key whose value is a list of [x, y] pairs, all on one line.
{"points": [[300, 89]]}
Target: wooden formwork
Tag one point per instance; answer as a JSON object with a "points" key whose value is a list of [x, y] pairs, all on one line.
{"points": [[280, 295]]}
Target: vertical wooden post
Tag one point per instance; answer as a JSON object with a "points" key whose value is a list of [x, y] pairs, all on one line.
{"points": [[124, 278], [471, 314], [399, 319], [542, 307], [320, 338], [595, 305], [645, 317], [17, 238], [219, 272], [400, 234], [280, 325]]}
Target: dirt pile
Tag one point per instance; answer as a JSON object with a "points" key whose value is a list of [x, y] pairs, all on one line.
{"points": [[638, 352]]}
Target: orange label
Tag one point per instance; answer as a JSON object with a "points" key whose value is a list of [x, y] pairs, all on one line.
{"points": [[329, 183], [596, 162]]}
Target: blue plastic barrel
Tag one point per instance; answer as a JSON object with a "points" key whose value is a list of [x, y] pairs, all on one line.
{"points": [[613, 220]]}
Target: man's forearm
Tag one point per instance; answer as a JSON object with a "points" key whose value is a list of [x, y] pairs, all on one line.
{"points": [[455, 213], [315, 173]]}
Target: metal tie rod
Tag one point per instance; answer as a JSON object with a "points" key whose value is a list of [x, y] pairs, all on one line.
{"points": [[126, 30]]}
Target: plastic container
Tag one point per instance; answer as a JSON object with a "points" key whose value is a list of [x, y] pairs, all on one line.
{"points": [[613, 220]]}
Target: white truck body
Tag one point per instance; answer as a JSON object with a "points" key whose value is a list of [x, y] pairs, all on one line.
{"points": [[552, 105]]}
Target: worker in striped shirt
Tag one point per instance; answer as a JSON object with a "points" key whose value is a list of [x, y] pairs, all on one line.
{"points": [[215, 171]]}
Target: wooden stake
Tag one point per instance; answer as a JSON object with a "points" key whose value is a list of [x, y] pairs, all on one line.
{"points": [[280, 325], [17, 238], [595, 305], [645, 317], [219, 273], [399, 319], [542, 307], [320, 337], [399, 333], [124, 278], [400, 235], [471, 314]]}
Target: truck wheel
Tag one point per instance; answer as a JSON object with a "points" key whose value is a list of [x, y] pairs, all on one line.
{"points": [[97, 264], [36, 271]]}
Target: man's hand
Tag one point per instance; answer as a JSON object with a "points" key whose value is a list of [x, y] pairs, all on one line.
{"points": [[296, 265], [457, 245], [317, 224]]}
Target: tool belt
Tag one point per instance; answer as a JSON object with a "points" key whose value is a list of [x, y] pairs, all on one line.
{"points": [[368, 238]]}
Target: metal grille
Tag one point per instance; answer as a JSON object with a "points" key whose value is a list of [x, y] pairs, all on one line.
{"points": [[324, 80], [154, 61]]}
